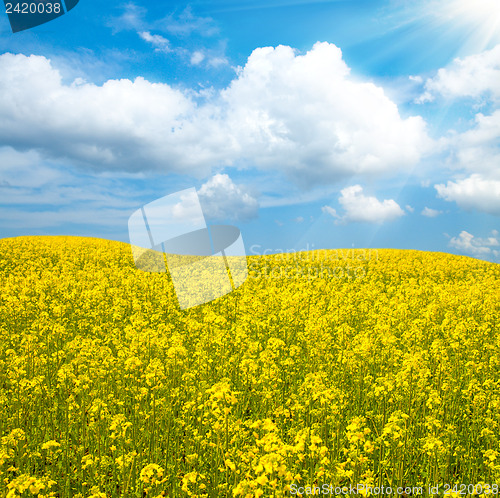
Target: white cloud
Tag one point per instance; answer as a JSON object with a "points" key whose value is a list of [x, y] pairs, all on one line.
{"points": [[430, 213], [179, 208], [122, 125], [220, 198], [26, 180], [477, 150], [308, 116], [409, 208], [36, 194], [217, 61], [361, 208], [474, 192], [17, 169], [299, 219], [476, 246], [301, 115], [474, 152], [187, 23], [160, 43], [197, 57], [331, 211], [211, 58], [131, 18], [63, 196], [179, 26], [473, 76]]}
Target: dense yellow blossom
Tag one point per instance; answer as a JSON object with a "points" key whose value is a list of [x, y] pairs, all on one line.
{"points": [[336, 367]]}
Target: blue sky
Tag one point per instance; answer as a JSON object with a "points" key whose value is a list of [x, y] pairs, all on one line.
{"points": [[326, 124]]}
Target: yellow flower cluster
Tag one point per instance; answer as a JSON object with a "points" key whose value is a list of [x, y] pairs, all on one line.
{"points": [[387, 373]]}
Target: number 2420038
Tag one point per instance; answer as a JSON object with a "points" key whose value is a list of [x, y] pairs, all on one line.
{"points": [[33, 8]]}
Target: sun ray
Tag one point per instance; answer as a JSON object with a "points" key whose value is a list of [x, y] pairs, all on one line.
{"points": [[480, 19]]}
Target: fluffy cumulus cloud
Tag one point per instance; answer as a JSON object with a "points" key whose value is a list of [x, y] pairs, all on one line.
{"points": [[220, 198], [477, 246], [121, 125], [308, 116], [301, 114], [473, 193], [361, 208], [472, 76]]}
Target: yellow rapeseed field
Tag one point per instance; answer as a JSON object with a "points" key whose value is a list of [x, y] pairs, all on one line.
{"points": [[336, 368]]}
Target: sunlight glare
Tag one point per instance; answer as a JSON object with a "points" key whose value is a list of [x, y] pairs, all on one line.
{"points": [[481, 16]]}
